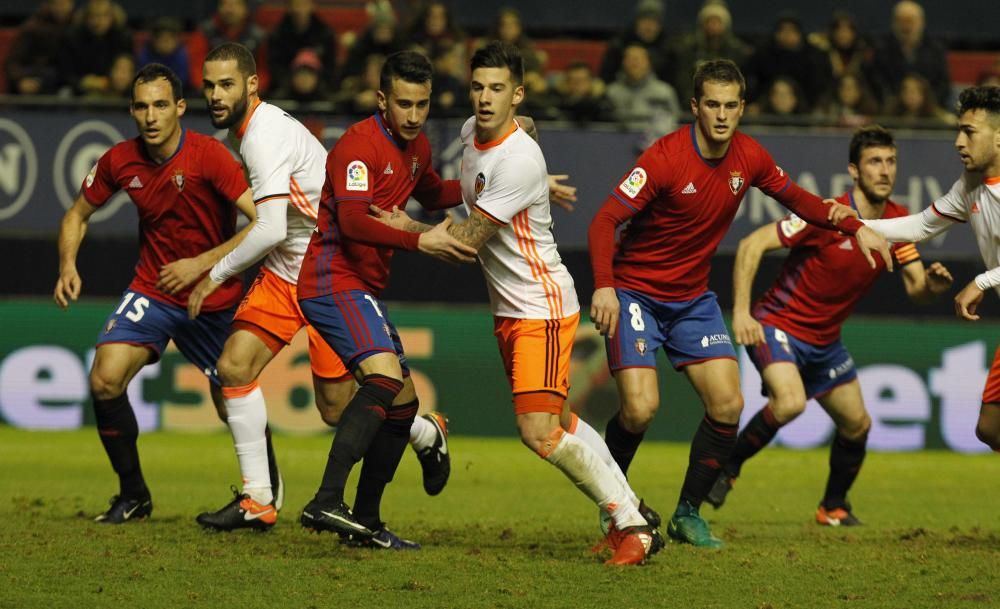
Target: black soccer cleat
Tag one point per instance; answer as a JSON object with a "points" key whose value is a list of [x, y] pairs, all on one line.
{"points": [[382, 539], [240, 513], [123, 509], [723, 484], [435, 459], [652, 516], [840, 516], [336, 519]]}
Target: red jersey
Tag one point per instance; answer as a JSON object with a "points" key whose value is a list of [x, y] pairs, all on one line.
{"points": [[185, 205], [350, 250], [823, 277], [681, 206]]}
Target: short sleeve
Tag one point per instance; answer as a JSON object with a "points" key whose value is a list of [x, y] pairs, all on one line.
{"points": [[100, 183], [954, 204], [644, 181], [512, 186], [268, 159], [224, 172], [349, 169]]}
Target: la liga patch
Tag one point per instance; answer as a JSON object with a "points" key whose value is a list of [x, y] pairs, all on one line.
{"points": [[634, 182], [357, 176], [791, 225]]}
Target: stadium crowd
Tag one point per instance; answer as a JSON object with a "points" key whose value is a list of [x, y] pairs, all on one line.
{"points": [[841, 76]]}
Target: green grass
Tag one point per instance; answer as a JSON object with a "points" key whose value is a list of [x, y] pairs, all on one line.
{"points": [[507, 532]]}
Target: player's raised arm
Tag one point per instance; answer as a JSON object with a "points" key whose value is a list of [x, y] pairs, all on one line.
{"points": [[746, 329], [71, 232]]}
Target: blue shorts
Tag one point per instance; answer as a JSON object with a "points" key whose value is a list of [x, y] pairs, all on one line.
{"points": [[144, 321], [822, 367], [690, 331], [356, 325]]}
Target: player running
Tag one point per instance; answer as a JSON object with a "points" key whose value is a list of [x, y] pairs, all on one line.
{"points": [[184, 186], [680, 198], [793, 333]]}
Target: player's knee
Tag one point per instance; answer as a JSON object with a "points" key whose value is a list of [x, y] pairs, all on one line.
{"points": [[233, 372], [726, 408], [856, 427], [637, 410], [105, 385], [534, 432], [788, 406]]}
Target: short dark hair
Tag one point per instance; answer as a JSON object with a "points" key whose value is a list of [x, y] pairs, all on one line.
{"points": [[155, 71], [408, 66], [498, 54], [226, 51], [718, 70], [980, 98], [869, 136]]}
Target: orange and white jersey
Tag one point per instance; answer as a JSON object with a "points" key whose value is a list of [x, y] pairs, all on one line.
{"points": [[283, 160], [507, 182]]}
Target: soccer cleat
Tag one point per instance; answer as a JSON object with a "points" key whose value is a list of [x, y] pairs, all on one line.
{"points": [[382, 539], [435, 459], [836, 517], [633, 545], [278, 490], [687, 526], [240, 513], [651, 516], [723, 484], [123, 509], [613, 538], [336, 519]]}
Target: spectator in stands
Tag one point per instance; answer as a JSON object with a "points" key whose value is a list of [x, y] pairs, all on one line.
{"points": [[232, 22], [434, 31], [641, 101], [852, 104], [787, 53], [91, 47], [358, 93], [123, 70], [509, 28], [306, 82], [907, 49], [645, 30], [449, 91], [783, 100], [382, 37], [32, 65], [712, 39], [581, 97], [916, 106], [300, 29], [846, 50], [165, 46]]}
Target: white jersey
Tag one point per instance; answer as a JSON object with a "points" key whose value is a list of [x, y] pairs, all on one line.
{"points": [[507, 182], [283, 160]]}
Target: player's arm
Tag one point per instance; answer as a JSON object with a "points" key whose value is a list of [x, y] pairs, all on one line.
{"points": [[563, 195], [746, 329], [71, 233], [913, 228], [179, 274], [923, 284], [604, 305]]}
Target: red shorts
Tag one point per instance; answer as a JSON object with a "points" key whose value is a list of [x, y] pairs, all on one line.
{"points": [[270, 310], [536, 354], [991, 394]]}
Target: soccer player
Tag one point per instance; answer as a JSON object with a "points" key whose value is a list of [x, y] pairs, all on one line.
{"points": [[379, 161], [286, 167], [793, 333], [184, 186], [532, 295], [681, 197], [975, 199]]}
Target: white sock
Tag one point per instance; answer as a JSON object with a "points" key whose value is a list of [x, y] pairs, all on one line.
{"points": [[589, 473], [247, 418], [423, 433], [581, 429]]}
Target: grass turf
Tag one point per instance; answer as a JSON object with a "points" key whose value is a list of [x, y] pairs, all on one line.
{"points": [[508, 531]]}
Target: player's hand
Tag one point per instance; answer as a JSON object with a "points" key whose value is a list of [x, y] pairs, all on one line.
{"points": [[528, 124], [397, 218], [746, 329], [869, 240], [439, 243], [67, 287], [604, 310], [179, 274], [838, 211], [938, 278], [967, 301], [198, 295], [563, 195]]}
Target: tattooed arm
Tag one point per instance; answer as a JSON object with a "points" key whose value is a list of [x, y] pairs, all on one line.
{"points": [[474, 232]]}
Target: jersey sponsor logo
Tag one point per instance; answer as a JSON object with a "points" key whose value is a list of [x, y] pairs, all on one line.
{"points": [[135, 183], [846, 245], [640, 346], [414, 167], [689, 189], [178, 179], [842, 368], [710, 340], [634, 182], [735, 181], [388, 169], [357, 176], [791, 225], [480, 183]]}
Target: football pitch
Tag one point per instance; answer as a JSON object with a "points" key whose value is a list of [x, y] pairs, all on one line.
{"points": [[508, 532]]}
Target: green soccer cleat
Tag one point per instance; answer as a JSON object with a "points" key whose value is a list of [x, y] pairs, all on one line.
{"points": [[687, 526]]}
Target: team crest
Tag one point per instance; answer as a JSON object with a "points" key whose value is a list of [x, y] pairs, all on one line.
{"points": [[414, 167], [178, 179], [735, 182], [480, 183], [640, 346]]}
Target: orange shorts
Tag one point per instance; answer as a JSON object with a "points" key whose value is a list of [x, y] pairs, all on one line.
{"points": [[536, 355], [991, 394], [270, 310]]}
